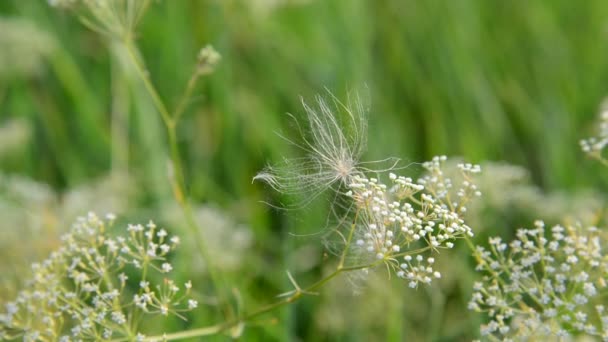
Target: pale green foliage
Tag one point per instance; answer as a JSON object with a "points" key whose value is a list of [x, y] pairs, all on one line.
{"points": [[264, 8], [109, 193], [508, 191], [81, 292], [28, 210], [14, 135], [32, 209], [23, 48], [222, 233], [348, 302]]}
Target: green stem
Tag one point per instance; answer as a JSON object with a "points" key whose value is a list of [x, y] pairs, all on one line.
{"points": [[295, 296], [145, 77], [116, 303], [178, 181], [349, 240], [602, 160], [181, 106]]}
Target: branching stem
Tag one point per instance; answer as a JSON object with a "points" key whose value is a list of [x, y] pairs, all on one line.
{"points": [[230, 324], [178, 181]]}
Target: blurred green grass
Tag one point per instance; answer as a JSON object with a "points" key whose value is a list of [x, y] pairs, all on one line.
{"points": [[512, 81]]}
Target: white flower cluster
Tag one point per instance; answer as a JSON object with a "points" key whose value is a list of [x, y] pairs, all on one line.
{"points": [[595, 145], [394, 222], [207, 60], [79, 292], [544, 284]]}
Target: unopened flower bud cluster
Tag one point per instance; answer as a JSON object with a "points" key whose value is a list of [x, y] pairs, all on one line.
{"points": [[208, 58], [397, 221], [80, 291], [545, 284]]}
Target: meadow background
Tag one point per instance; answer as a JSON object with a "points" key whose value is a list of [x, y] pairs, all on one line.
{"points": [[513, 85]]}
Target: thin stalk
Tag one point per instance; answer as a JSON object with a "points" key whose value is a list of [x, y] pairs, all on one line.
{"points": [[119, 121], [349, 240], [295, 296], [181, 106], [602, 160], [116, 303], [143, 74], [178, 181]]}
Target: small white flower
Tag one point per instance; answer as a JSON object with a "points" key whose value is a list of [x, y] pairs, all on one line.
{"points": [[164, 248], [123, 277], [118, 318], [164, 309], [166, 267]]}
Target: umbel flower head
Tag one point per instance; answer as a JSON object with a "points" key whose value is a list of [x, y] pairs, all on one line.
{"points": [[333, 147], [403, 223], [81, 291], [545, 284]]}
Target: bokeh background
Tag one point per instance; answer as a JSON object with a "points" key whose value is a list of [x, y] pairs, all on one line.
{"points": [[513, 85]]}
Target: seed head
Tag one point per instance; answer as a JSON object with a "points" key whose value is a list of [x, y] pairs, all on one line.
{"points": [[333, 146]]}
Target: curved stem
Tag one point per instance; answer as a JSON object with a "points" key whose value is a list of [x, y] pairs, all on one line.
{"points": [[295, 296]]}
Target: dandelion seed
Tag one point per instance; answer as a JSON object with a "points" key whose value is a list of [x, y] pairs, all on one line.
{"points": [[333, 149]]}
